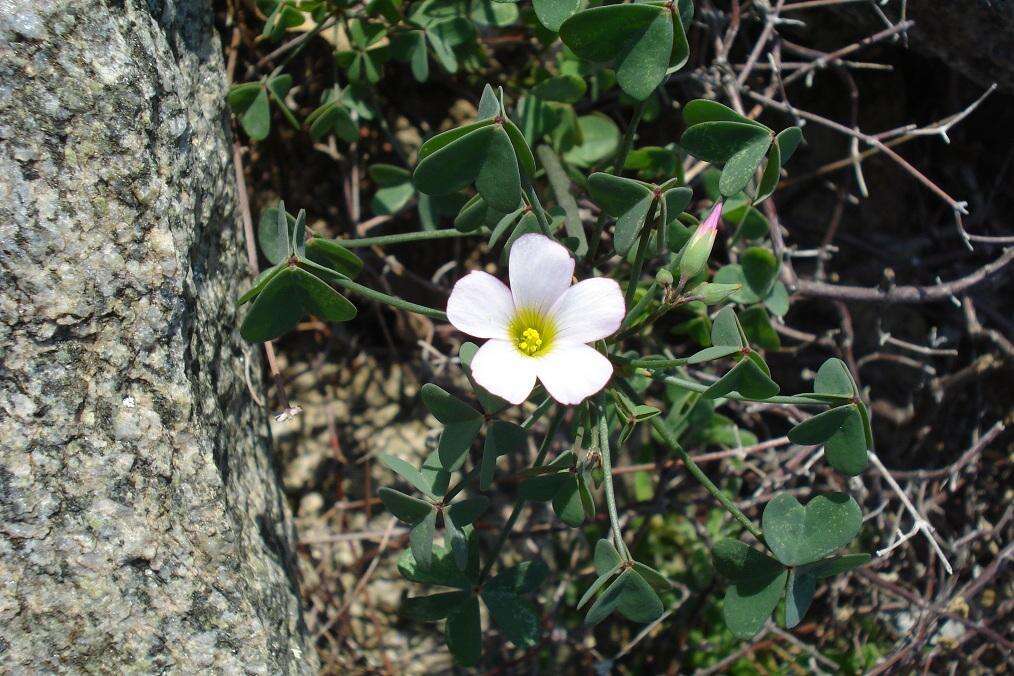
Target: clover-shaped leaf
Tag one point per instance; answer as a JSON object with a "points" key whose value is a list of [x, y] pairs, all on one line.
{"points": [[461, 425], [757, 584], [483, 153], [626, 200], [287, 297], [463, 633], [631, 596], [502, 438], [726, 330], [434, 607], [747, 378], [552, 13], [643, 40], [799, 535]]}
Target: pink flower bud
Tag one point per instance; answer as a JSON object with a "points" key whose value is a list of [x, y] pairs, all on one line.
{"points": [[698, 248]]}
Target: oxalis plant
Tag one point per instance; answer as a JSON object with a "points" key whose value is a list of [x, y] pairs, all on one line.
{"points": [[580, 360]]}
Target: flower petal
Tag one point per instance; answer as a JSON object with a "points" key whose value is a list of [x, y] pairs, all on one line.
{"points": [[481, 306], [505, 372], [572, 372], [588, 311], [540, 271]]}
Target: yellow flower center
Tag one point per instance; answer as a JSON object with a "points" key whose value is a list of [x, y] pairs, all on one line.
{"points": [[530, 342], [531, 332]]}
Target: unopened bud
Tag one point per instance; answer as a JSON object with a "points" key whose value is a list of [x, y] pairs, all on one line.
{"points": [[697, 250], [664, 277], [712, 294]]}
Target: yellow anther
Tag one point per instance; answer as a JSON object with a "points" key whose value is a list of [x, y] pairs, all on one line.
{"points": [[530, 341]]}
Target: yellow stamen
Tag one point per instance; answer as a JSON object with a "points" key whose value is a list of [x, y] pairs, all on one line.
{"points": [[530, 342]]}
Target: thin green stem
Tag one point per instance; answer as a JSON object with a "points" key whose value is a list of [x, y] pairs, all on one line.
{"points": [[393, 301], [618, 161], [403, 237], [607, 479], [635, 311], [656, 362], [536, 204], [658, 424], [794, 400], [559, 182], [642, 252], [519, 504]]}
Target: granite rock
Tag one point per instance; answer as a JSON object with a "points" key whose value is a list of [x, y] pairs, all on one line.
{"points": [[142, 528]]}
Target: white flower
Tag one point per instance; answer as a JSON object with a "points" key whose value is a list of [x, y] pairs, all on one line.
{"points": [[540, 327]]}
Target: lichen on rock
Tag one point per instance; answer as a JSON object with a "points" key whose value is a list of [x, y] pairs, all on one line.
{"points": [[141, 523]]}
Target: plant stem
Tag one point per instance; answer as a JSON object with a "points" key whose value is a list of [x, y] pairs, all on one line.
{"points": [[393, 301], [794, 400], [618, 161], [642, 252], [607, 470], [635, 311], [536, 204], [658, 424], [402, 238], [656, 362], [560, 184], [519, 504]]}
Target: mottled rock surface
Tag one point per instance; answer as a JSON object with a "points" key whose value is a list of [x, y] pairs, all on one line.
{"points": [[141, 523]]}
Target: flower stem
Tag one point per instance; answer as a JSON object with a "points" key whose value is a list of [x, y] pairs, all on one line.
{"points": [[393, 301], [618, 161], [536, 204], [519, 504], [793, 400], [642, 252], [658, 424], [607, 471], [402, 238]]}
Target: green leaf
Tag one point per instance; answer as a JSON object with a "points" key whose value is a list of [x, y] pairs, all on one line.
{"points": [[242, 96], [465, 512], [420, 539], [788, 140], [819, 428], [836, 565], [444, 139], [525, 158], [798, 596], [489, 104], [631, 596], [699, 111], [321, 300], [624, 199], [600, 139], [657, 580], [746, 378], [442, 569], [833, 377], [769, 179], [748, 603], [676, 200], [760, 269], [277, 310], [516, 617], [463, 633], [499, 178], [387, 201], [493, 13], [638, 37], [256, 119], [331, 254], [434, 607], [298, 238], [712, 353], [738, 561], [740, 168], [562, 88], [725, 329], [522, 578], [552, 13], [445, 407], [406, 508], [718, 142], [759, 331], [541, 488], [798, 535], [502, 438], [642, 65], [273, 236], [595, 586], [406, 471], [260, 283], [457, 164], [567, 502], [606, 557], [847, 450]]}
